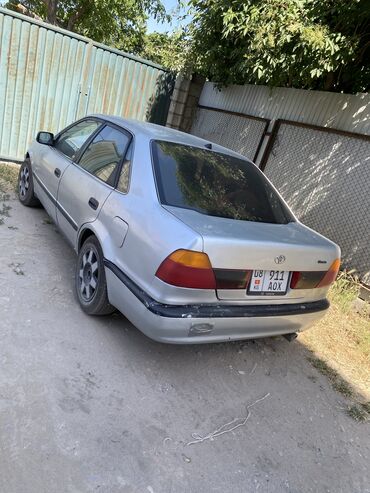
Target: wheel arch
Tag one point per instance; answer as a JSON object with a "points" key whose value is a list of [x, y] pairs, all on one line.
{"points": [[83, 236], [102, 234]]}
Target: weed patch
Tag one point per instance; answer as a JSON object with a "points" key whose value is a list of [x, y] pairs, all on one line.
{"points": [[8, 177], [360, 412], [341, 345], [5, 210], [337, 382]]}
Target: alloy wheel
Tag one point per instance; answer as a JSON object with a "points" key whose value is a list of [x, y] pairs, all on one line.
{"points": [[24, 181], [88, 274]]}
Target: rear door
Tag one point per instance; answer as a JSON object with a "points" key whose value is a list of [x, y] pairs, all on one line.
{"points": [[54, 160], [86, 185]]}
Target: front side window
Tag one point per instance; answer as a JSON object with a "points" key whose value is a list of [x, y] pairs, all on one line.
{"points": [[70, 141], [104, 154], [215, 184]]}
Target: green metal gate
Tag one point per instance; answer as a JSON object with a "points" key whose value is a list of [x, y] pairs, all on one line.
{"points": [[50, 77]]}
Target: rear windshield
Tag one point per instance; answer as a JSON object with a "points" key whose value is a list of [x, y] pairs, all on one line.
{"points": [[215, 184]]}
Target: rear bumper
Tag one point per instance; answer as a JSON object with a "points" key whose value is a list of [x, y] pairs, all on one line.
{"points": [[191, 324]]}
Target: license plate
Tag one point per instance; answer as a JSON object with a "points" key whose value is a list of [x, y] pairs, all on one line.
{"points": [[271, 282]]}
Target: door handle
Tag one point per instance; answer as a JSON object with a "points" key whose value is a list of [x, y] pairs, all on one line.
{"points": [[57, 172], [93, 203]]}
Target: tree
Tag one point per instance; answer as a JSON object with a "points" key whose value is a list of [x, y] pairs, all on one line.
{"points": [[312, 44], [167, 49], [121, 23]]}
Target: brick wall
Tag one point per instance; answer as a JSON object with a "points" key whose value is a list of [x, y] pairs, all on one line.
{"points": [[184, 102]]}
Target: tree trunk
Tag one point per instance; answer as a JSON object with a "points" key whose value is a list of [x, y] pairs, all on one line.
{"points": [[75, 18], [51, 11], [329, 81]]}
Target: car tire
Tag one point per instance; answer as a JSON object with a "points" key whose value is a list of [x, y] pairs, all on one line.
{"points": [[90, 280], [26, 192]]}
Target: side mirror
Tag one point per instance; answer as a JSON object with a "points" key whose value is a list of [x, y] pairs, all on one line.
{"points": [[46, 138]]}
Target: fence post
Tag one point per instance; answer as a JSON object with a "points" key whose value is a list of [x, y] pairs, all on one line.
{"points": [[184, 102], [270, 144]]}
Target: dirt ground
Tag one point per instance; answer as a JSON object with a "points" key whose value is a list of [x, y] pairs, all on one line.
{"points": [[92, 405]]}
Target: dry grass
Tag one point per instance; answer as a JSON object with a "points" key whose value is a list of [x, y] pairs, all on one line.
{"points": [[337, 382], [8, 177], [341, 344], [8, 185], [359, 411]]}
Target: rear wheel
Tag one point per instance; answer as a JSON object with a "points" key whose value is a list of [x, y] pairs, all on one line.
{"points": [[90, 283], [25, 185]]}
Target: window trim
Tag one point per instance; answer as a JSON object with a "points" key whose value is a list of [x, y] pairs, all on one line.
{"points": [[151, 146], [152, 159], [103, 123], [153, 141], [119, 165], [71, 126], [132, 141]]}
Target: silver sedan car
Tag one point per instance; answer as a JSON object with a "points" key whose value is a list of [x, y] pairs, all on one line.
{"points": [[188, 239]]}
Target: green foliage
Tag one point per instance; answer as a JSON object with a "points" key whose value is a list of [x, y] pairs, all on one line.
{"points": [[295, 43], [345, 290], [167, 49], [119, 23]]}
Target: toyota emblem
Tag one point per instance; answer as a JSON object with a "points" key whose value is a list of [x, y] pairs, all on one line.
{"points": [[279, 259]]}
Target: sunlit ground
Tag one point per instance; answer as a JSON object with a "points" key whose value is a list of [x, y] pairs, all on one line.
{"points": [[342, 338], [340, 342]]}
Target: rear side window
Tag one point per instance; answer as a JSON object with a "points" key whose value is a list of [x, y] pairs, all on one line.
{"points": [[104, 154], [70, 141], [215, 184], [124, 177]]}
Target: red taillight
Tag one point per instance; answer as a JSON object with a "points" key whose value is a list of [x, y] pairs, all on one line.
{"points": [[331, 275], [232, 278], [306, 279], [187, 269], [315, 279]]}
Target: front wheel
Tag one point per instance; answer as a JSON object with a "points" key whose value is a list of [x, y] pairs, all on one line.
{"points": [[90, 283], [26, 192]]}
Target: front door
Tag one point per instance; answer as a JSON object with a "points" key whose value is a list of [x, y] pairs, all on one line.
{"points": [[54, 160], [86, 185]]}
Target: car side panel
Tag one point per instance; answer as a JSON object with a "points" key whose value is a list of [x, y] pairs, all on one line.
{"points": [[45, 160], [146, 244], [77, 189]]}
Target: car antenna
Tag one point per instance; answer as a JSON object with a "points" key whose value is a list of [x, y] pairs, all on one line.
{"points": [[208, 146]]}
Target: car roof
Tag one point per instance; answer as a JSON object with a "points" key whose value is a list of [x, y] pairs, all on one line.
{"points": [[158, 132]]}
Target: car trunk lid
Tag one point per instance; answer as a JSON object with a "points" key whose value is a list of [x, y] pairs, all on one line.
{"points": [[247, 245]]}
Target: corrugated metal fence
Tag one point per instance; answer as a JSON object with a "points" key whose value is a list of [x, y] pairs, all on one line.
{"points": [[222, 127], [328, 109], [315, 148], [50, 77]]}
